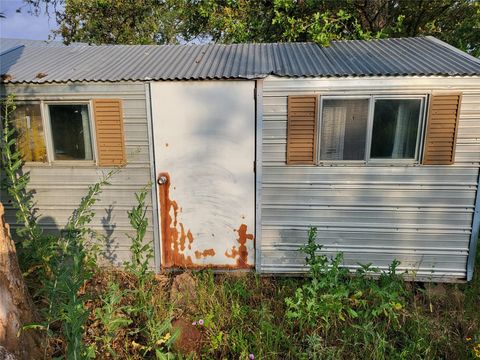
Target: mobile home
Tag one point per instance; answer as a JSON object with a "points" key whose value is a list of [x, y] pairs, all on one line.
{"points": [[375, 143]]}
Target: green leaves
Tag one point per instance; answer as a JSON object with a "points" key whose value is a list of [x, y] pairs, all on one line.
{"points": [[236, 21], [16, 183], [112, 315], [67, 266], [123, 21], [333, 300], [142, 254]]}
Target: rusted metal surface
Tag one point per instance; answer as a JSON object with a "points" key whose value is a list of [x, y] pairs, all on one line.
{"points": [[205, 173], [204, 253], [241, 254], [173, 232], [177, 238]]}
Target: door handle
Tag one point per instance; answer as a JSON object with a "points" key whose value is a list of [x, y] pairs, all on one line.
{"points": [[162, 180]]}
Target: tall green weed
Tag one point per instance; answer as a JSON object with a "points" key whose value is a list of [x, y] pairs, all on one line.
{"points": [[33, 246], [156, 332], [74, 264]]}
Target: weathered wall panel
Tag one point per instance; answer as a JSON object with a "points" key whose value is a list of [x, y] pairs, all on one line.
{"points": [[59, 188], [420, 215]]}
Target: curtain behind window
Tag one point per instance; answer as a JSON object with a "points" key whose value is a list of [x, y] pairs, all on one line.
{"points": [[344, 129], [406, 123], [333, 132]]}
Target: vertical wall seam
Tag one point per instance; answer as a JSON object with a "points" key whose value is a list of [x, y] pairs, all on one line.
{"points": [[153, 188], [258, 173], [472, 248]]}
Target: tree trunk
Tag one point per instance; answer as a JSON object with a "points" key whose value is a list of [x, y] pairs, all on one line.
{"points": [[16, 306]]}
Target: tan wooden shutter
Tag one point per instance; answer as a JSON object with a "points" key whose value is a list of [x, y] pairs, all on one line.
{"points": [[302, 130], [442, 129], [108, 115]]}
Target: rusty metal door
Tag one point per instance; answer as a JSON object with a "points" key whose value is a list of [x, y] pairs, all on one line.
{"points": [[204, 137]]}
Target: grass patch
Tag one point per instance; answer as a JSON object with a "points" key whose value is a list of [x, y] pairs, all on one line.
{"points": [[241, 316]]}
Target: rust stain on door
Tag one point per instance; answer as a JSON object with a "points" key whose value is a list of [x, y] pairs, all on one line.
{"points": [[204, 253], [241, 254], [174, 236]]}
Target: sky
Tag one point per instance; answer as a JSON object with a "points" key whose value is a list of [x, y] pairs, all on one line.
{"points": [[24, 25]]}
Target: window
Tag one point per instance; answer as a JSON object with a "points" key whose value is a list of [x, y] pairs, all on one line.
{"points": [[344, 129], [70, 130], [373, 128], [27, 120], [63, 131], [395, 128]]}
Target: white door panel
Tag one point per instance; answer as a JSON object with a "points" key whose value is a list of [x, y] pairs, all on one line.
{"points": [[204, 136]]}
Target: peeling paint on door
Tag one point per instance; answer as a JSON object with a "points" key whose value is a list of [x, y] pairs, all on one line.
{"points": [[173, 239], [241, 254], [175, 236], [204, 253], [207, 201]]}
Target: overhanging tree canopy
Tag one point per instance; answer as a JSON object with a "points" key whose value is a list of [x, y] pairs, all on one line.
{"points": [[232, 21]]}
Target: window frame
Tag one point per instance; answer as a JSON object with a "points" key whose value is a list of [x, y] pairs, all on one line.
{"points": [[49, 135], [368, 161]]}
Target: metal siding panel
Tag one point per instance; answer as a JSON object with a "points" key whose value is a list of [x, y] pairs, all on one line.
{"points": [[420, 215], [59, 188], [406, 239]]}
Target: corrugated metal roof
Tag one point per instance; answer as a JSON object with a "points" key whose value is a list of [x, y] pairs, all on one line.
{"points": [[386, 57]]}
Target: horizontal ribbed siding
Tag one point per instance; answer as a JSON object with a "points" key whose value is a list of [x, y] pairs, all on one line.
{"points": [[419, 215], [59, 188]]}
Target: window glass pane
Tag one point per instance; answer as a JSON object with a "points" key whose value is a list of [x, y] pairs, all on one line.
{"points": [[395, 128], [27, 119], [71, 132], [344, 129]]}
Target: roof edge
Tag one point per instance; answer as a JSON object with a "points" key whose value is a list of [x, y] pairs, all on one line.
{"points": [[453, 48], [51, 82]]}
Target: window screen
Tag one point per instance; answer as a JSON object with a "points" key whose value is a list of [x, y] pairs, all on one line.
{"points": [[395, 128], [27, 120], [344, 129], [71, 133]]}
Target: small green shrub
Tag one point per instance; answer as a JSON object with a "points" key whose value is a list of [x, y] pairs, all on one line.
{"points": [[113, 316], [336, 307], [141, 254]]}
